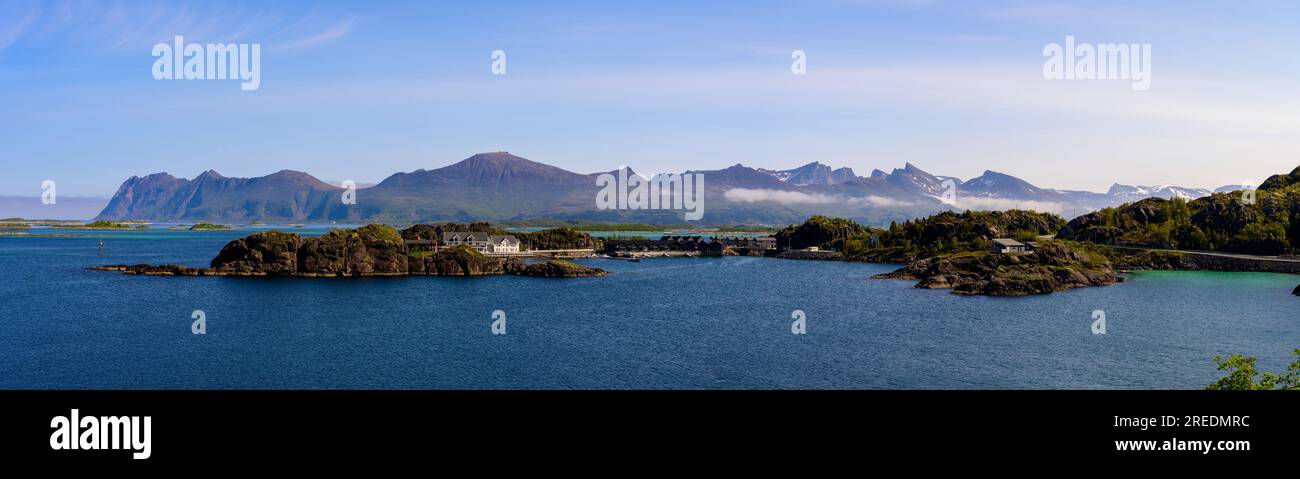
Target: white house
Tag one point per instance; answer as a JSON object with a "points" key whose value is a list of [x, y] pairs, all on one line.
{"points": [[502, 244], [481, 242]]}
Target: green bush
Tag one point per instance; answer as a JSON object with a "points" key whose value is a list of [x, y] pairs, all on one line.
{"points": [[1243, 376]]}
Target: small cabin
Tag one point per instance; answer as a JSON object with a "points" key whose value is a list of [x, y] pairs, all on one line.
{"points": [[1007, 246]]}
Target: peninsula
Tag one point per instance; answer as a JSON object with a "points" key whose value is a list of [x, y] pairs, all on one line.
{"points": [[372, 250]]}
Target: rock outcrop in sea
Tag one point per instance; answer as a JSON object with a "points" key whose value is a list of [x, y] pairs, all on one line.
{"points": [[552, 269], [1054, 266], [373, 250]]}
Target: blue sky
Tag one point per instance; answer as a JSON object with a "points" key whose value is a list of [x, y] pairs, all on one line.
{"points": [[361, 90]]}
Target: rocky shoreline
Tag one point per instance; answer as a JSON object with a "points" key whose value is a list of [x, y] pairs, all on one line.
{"points": [[373, 250]]}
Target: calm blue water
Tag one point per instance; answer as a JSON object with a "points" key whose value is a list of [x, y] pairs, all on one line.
{"points": [[664, 323]]}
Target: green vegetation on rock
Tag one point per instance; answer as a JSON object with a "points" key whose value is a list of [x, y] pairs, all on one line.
{"points": [[1243, 376], [1266, 224], [818, 231], [944, 233], [557, 238], [1282, 182], [377, 232], [209, 226], [1053, 266], [117, 225], [555, 269], [950, 232]]}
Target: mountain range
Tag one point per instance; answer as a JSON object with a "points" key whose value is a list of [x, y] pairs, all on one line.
{"points": [[500, 187]]}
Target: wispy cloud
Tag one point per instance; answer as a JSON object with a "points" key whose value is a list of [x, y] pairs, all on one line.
{"points": [[15, 19], [121, 26], [334, 32]]}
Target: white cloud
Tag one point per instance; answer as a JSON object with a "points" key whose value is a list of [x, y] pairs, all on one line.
{"points": [[749, 195], [873, 200], [1001, 204]]}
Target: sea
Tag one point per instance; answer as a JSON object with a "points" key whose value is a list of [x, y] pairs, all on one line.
{"points": [[670, 323]]}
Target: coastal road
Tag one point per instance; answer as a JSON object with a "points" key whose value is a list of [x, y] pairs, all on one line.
{"points": [[1277, 259]]}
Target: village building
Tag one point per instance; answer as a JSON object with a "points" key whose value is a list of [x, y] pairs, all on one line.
{"points": [[1007, 246], [473, 239], [707, 246], [481, 242], [502, 244], [749, 242]]}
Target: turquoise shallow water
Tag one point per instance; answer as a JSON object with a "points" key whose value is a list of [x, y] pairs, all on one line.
{"points": [[664, 323]]}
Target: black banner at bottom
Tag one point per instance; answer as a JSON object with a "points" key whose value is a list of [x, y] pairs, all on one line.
{"points": [[187, 428]]}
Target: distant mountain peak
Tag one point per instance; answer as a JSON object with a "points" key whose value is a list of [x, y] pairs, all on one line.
{"points": [[294, 177], [912, 179], [494, 155], [813, 173], [1129, 193], [155, 177], [502, 160], [993, 184], [210, 174]]}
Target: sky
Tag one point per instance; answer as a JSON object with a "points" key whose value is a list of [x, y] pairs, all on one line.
{"points": [[360, 90]]}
